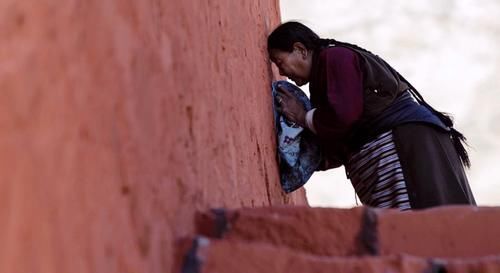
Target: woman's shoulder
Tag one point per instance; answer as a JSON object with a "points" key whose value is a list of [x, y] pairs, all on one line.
{"points": [[334, 52], [337, 56]]}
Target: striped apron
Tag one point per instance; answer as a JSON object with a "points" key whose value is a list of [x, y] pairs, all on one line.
{"points": [[376, 174]]}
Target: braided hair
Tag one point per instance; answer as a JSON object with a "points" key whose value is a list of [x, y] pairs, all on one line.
{"points": [[287, 34]]}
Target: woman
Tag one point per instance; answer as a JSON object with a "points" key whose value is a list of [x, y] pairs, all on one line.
{"points": [[397, 150]]}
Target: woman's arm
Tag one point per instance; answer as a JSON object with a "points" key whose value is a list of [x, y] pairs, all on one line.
{"points": [[340, 74]]}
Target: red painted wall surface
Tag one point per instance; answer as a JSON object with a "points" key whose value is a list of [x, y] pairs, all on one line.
{"points": [[119, 119]]}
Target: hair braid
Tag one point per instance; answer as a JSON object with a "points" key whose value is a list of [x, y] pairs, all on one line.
{"points": [[457, 138]]}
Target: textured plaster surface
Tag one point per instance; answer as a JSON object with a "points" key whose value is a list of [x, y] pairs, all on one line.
{"points": [[120, 119]]}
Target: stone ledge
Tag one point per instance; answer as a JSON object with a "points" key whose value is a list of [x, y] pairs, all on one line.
{"points": [[454, 231], [238, 256], [327, 232]]}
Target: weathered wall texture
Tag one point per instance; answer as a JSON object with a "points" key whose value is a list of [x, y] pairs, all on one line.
{"points": [[119, 119]]}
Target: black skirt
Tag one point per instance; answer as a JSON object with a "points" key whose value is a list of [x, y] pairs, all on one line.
{"points": [[433, 172]]}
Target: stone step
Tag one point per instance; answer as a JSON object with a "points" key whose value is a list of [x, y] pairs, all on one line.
{"points": [[454, 231], [229, 256]]}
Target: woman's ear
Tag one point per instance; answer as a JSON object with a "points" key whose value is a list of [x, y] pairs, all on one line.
{"points": [[301, 48]]}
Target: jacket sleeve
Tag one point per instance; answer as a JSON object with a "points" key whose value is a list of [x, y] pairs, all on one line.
{"points": [[341, 75]]}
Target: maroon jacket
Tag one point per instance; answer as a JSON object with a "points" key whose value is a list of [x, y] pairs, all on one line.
{"points": [[336, 88], [348, 88]]}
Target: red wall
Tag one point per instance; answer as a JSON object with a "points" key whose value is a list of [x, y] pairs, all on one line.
{"points": [[119, 119]]}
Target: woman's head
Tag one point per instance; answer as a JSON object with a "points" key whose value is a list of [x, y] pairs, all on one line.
{"points": [[291, 46]]}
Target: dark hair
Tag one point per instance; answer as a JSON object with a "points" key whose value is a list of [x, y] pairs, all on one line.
{"points": [[287, 34]]}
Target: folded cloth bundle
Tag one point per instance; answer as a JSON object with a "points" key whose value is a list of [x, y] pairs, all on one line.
{"points": [[298, 152]]}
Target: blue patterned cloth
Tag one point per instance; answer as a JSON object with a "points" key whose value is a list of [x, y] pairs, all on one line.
{"points": [[298, 153]]}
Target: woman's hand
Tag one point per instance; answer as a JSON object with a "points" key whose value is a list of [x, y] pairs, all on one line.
{"points": [[291, 107]]}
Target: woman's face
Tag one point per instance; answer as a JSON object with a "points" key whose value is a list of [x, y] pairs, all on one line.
{"points": [[295, 65]]}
